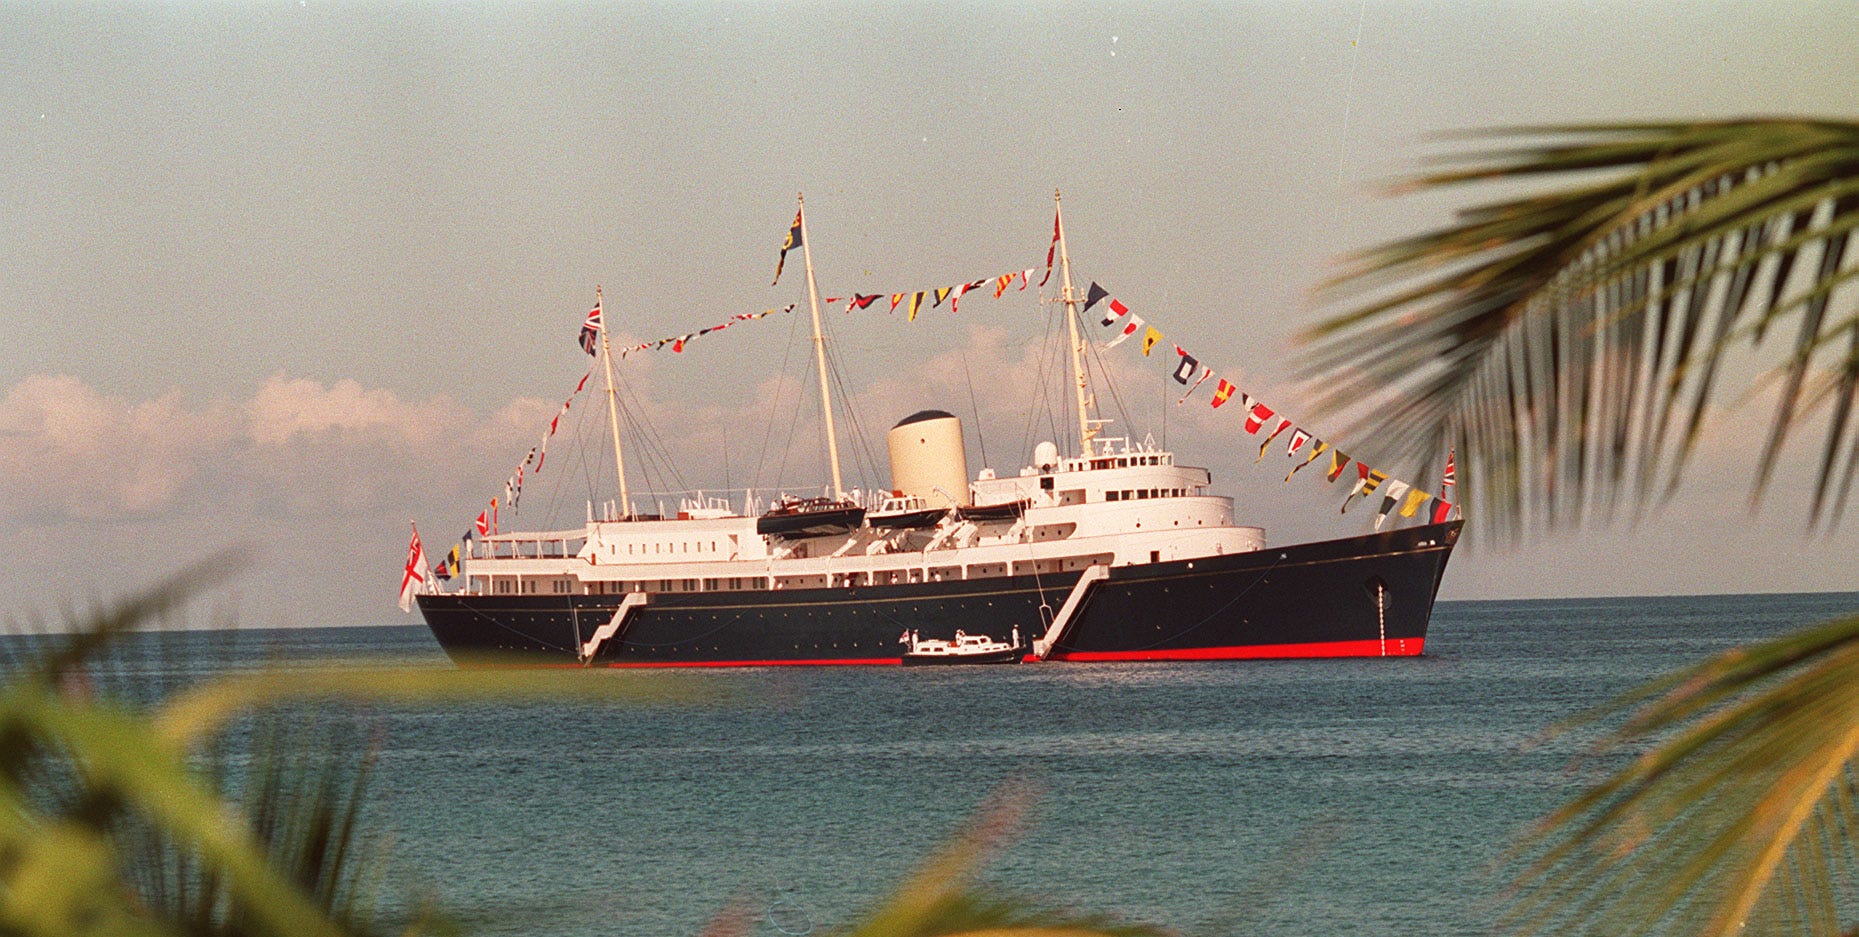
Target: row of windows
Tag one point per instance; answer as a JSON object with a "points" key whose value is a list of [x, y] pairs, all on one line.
{"points": [[713, 546], [502, 585], [1127, 461], [1147, 493]]}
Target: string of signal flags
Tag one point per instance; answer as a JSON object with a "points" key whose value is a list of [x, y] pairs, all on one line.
{"points": [[1120, 325]]}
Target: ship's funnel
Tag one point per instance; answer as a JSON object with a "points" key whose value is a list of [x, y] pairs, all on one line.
{"points": [[927, 459]]}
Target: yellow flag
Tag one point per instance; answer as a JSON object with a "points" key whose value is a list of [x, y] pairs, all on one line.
{"points": [[916, 302], [1415, 498], [1315, 451], [1150, 338]]}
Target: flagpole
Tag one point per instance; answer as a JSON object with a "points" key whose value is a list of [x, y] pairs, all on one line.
{"points": [[1071, 328], [613, 406], [819, 352]]}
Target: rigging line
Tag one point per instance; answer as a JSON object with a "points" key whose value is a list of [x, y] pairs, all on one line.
{"points": [[1039, 387], [774, 404], [805, 389], [1103, 372], [974, 405], [654, 447], [868, 468], [559, 493], [1056, 348]]}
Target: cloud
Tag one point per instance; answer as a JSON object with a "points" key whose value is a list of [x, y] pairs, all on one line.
{"points": [[71, 451], [295, 445], [284, 408]]}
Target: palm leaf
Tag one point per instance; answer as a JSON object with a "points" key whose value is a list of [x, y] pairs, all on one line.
{"points": [[108, 825], [1569, 342], [938, 900], [1739, 822]]}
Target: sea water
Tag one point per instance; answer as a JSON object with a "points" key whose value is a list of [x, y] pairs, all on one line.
{"points": [[1278, 797]]}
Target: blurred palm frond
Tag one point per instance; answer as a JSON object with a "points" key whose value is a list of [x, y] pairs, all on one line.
{"points": [[1568, 342], [1739, 821]]}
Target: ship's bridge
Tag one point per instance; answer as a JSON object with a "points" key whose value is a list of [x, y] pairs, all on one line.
{"points": [[1115, 471]]}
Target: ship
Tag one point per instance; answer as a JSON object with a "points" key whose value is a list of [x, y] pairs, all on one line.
{"points": [[1114, 553]]}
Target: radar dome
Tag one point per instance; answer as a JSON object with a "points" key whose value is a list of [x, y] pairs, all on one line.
{"points": [[1046, 456]]}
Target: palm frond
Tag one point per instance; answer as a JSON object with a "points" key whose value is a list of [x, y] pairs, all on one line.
{"points": [[938, 899], [109, 823], [1739, 822], [1569, 342]]}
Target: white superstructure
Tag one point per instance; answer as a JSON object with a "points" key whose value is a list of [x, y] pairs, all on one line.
{"points": [[1122, 505]]}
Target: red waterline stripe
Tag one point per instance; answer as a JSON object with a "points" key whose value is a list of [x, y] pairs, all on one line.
{"points": [[1393, 647], [822, 662]]}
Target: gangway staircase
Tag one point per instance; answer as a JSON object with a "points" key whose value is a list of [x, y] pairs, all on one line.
{"points": [[1092, 575], [613, 627]]}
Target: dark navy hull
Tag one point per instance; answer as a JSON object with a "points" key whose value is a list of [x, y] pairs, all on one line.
{"points": [[1358, 597]]}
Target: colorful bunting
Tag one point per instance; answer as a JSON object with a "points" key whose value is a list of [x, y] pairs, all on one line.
{"points": [[1050, 250], [1366, 482], [1396, 491], [1338, 462], [1415, 498], [1205, 374], [1298, 439], [1283, 424], [1130, 328], [1223, 392], [1315, 451], [793, 241], [677, 342], [1256, 413], [1186, 367], [1260, 418]]}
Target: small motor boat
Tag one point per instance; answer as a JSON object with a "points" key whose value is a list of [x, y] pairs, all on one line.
{"points": [[964, 648]]}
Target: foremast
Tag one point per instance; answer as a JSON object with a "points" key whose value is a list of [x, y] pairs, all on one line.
{"points": [[819, 353], [1070, 298], [613, 405]]}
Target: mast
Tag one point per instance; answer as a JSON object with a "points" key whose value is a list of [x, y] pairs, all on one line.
{"points": [[819, 352], [613, 406], [1071, 329]]}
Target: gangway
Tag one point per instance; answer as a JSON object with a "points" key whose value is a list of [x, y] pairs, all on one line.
{"points": [[1092, 575], [612, 627]]}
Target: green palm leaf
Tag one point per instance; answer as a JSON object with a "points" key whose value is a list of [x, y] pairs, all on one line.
{"points": [[1740, 822], [1569, 342]]}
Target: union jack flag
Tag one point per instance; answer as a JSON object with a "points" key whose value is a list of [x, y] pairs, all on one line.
{"points": [[590, 330], [1452, 474]]}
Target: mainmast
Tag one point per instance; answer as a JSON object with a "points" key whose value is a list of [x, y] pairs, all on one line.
{"points": [[1071, 329], [819, 353], [613, 406]]}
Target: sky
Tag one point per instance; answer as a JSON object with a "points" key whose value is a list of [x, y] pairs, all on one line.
{"points": [[280, 278]]}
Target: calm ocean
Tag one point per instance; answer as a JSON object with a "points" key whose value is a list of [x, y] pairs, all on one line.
{"points": [[1295, 798]]}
